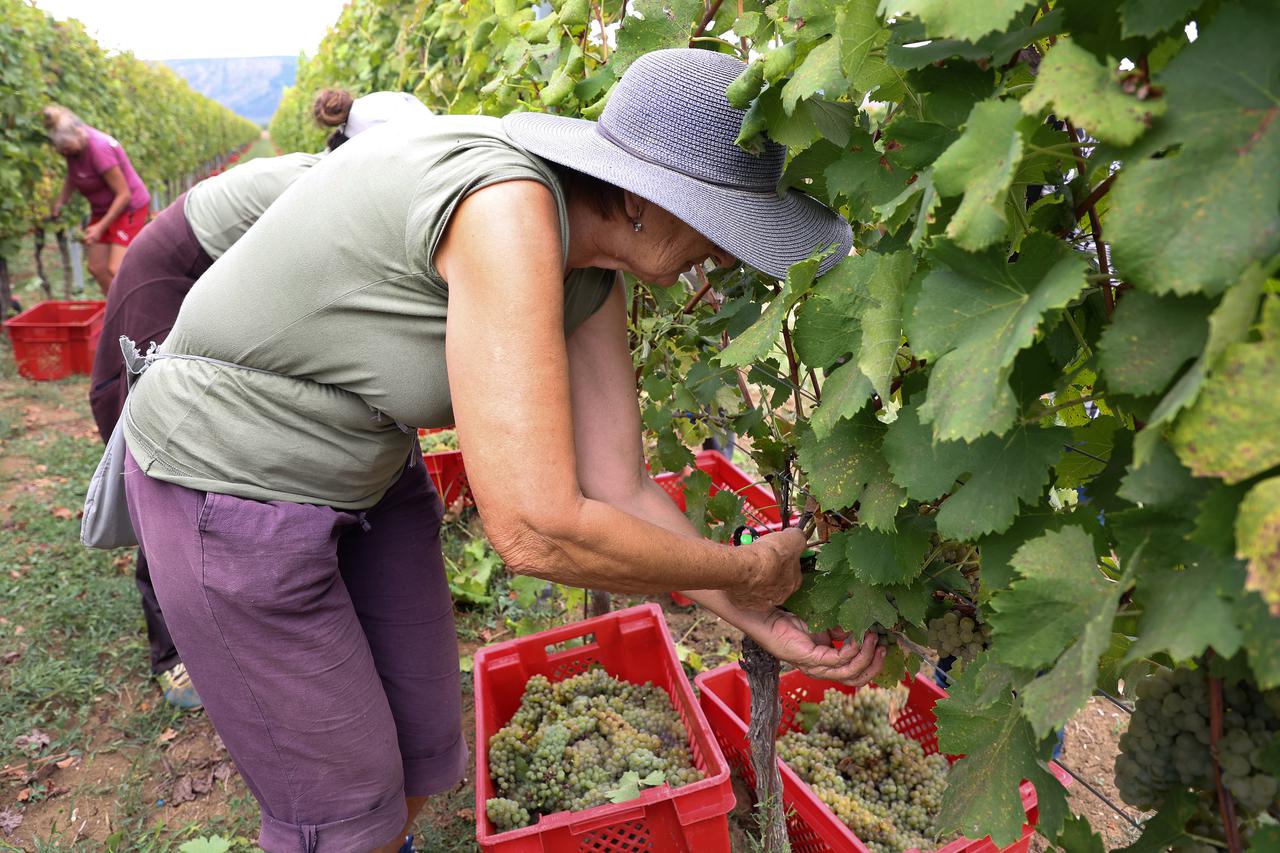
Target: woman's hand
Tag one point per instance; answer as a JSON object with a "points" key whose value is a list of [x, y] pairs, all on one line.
{"points": [[786, 637], [775, 572], [93, 233]]}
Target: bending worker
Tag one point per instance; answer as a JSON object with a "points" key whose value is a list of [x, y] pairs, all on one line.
{"points": [[460, 269], [155, 277]]}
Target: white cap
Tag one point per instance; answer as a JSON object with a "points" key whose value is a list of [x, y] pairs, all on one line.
{"points": [[379, 107]]}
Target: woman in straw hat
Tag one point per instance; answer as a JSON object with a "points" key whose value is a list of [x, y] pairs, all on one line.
{"points": [[461, 270], [165, 261]]}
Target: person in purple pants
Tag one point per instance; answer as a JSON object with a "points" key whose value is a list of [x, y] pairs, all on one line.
{"points": [[457, 269]]}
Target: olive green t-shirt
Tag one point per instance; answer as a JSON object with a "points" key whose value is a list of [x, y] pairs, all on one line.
{"points": [[335, 290], [221, 209]]}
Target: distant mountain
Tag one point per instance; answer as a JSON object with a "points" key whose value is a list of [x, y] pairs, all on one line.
{"points": [[250, 86]]}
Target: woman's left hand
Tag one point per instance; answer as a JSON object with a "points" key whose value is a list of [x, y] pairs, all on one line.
{"points": [[93, 233], [787, 637]]}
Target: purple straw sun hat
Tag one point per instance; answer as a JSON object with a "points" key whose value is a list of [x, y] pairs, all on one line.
{"points": [[667, 135]]}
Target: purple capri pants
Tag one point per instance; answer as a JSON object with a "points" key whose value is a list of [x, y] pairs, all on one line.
{"points": [[322, 644]]}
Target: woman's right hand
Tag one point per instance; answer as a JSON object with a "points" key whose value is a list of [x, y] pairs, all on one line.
{"points": [[774, 573]]}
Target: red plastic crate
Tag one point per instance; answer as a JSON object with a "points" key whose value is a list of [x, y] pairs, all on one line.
{"points": [[812, 827], [633, 645], [760, 508], [447, 471], [53, 340]]}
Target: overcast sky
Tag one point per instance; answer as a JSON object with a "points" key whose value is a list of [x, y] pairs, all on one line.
{"points": [[183, 29]]}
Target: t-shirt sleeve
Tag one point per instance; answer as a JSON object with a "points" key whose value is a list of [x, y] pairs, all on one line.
{"points": [[103, 154], [585, 292], [451, 179]]}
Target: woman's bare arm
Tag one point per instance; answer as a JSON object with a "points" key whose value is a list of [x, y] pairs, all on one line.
{"points": [[509, 379], [610, 461]]}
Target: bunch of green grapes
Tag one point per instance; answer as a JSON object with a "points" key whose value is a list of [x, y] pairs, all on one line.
{"points": [[570, 743], [960, 637], [1167, 744], [879, 782], [434, 442]]}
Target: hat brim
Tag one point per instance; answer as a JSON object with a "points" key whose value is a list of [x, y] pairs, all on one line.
{"points": [[765, 230]]}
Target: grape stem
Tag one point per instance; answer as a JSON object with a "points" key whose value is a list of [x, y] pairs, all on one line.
{"points": [[1225, 802]]}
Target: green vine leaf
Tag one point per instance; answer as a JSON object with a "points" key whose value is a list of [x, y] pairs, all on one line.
{"points": [[1060, 609], [1149, 338], [1258, 535], [1184, 611], [862, 39], [958, 19], [847, 467], [757, 341], [1169, 825], [1078, 837], [1195, 219], [819, 72], [1003, 471], [973, 315], [661, 24], [1228, 323], [980, 165], [844, 394], [1152, 17], [981, 721], [1261, 639], [1079, 87], [882, 319], [881, 559]]}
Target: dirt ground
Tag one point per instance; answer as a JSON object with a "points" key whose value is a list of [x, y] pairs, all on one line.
{"points": [[142, 778]]}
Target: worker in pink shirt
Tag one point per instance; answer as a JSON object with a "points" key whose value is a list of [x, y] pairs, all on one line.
{"points": [[99, 168]]}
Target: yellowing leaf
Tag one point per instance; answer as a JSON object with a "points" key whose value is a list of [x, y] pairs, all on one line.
{"points": [[1079, 87]]}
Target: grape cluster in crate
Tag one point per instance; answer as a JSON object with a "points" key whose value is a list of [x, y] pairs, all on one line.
{"points": [[582, 742]]}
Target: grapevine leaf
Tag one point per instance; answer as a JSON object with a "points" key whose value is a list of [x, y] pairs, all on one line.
{"points": [[885, 558], [661, 24], [1079, 87], [823, 332], [981, 721], [1003, 471], [959, 19], [864, 177], [1231, 431], [1265, 838], [882, 320], [844, 394], [912, 602], [980, 164], [1261, 639], [1163, 481], [1149, 338], [1078, 837], [628, 788], [1052, 699], [998, 550], [819, 72], [1059, 591], [973, 315], [847, 466], [1168, 828], [1215, 519], [1089, 443], [1183, 613], [862, 38], [1228, 323], [864, 607], [756, 342], [1258, 538], [1152, 17], [1194, 220]]}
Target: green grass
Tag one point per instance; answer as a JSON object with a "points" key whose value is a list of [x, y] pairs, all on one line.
{"points": [[262, 147]]}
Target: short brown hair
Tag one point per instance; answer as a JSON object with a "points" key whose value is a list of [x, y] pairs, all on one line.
{"points": [[608, 199], [332, 108]]}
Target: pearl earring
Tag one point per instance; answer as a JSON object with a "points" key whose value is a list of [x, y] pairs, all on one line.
{"points": [[638, 225]]}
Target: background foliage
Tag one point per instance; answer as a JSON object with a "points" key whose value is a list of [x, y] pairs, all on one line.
{"points": [[172, 134], [1043, 391]]}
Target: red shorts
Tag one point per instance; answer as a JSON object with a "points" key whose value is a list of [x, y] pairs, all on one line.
{"points": [[125, 227]]}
